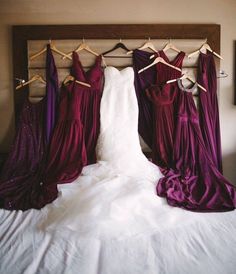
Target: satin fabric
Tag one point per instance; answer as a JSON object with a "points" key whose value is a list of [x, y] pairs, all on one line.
{"points": [[74, 138], [52, 97], [164, 72], [90, 108], [142, 81], [208, 108], [21, 177], [163, 97], [164, 112], [195, 183]]}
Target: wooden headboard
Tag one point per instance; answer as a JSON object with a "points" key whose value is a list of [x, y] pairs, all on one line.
{"points": [[23, 34]]}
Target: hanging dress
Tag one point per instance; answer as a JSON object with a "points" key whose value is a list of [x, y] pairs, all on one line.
{"points": [[90, 108], [208, 108], [20, 180], [142, 81], [163, 96], [165, 73], [195, 183], [78, 126], [52, 88]]}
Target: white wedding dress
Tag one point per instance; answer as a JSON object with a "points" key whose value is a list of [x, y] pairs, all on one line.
{"points": [[115, 197], [110, 219]]}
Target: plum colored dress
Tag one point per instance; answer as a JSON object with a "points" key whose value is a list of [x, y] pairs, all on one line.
{"points": [[142, 81], [195, 183], [163, 97], [75, 134], [208, 108], [21, 177], [165, 73], [90, 108]]}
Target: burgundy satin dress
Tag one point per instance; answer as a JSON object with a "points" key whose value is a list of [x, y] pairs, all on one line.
{"points": [[165, 73], [195, 183], [208, 108], [163, 97], [164, 113], [21, 177], [90, 108], [68, 152]]}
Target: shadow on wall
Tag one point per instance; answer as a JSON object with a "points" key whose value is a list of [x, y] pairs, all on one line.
{"points": [[229, 167], [8, 137]]}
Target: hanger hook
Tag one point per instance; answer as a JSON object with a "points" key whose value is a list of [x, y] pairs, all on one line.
{"points": [[21, 81], [149, 38], [120, 40], [50, 41], [83, 40]]}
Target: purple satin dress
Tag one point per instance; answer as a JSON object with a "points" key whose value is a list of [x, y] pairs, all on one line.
{"points": [[208, 108], [52, 90], [195, 183], [21, 177], [142, 81]]}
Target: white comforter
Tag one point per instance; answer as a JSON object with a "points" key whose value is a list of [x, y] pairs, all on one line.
{"points": [[54, 240]]}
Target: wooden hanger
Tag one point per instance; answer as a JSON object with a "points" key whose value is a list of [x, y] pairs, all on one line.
{"points": [[147, 45], [36, 77], [186, 76], [159, 60], [53, 48], [119, 45], [168, 46], [205, 46], [82, 46], [72, 78]]}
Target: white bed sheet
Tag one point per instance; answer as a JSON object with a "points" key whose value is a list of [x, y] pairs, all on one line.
{"points": [[184, 242]]}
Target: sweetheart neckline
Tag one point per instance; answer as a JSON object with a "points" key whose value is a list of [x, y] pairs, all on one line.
{"points": [[116, 69]]}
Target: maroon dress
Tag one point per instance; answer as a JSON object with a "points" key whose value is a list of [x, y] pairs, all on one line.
{"points": [[194, 183], [90, 108], [165, 73], [208, 108], [163, 97], [77, 127], [67, 154]]}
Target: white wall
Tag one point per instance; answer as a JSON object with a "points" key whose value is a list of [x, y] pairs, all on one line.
{"points": [[14, 12]]}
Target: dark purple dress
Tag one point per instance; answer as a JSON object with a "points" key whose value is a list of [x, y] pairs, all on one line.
{"points": [[142, 81], [52, 90], [195, 183], [21, 177], [208, 108]]}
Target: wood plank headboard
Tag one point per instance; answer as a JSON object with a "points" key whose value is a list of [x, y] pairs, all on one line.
{"points": [[22, 34]]}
